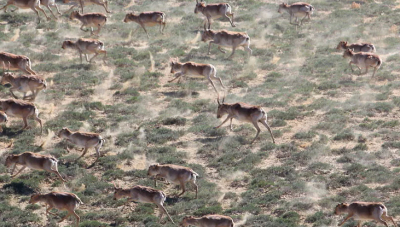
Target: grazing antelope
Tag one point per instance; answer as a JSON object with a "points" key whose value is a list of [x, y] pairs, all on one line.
{"points": [[214, 11], [356, 47], [226, 38], [60, 201], [364, 211], [143, 194], [87, 46], [26, 4], [174, 174], [33, 161], [244, 112], [16, 62], [363, 60], [147, 19], [296, 10], [48, 3], [82, 3], [3, 119], [90, 20], [18, 108], [24, 84], [192, 68], [211, 220], [83, 139]]}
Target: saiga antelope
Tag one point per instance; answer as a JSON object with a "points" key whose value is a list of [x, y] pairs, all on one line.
{"points": [[191, 68], [86, 46], [174, 174], [214, 11], [24, 84], [82, 3], [296, 10], [18, 108], [16, 62], [356, 47], [90, 20], [363, 60], [143, 194], [147, 19], [33, 161], [48, 3], [226, 38], [3, 119], [26, 4], [211, 220], [60, 201], [83, 139], [243, 112], [364, 211]]}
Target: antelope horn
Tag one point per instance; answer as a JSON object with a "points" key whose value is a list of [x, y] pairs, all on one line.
{"points": [[223, 100], [8, 70], [205, 28], [218, 101]]}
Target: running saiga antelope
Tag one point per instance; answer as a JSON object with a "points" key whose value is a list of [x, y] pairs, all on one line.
{"points": [[211, 220], [48, 3], [243, 112], [24, 84], [33, 161], [214, 11], [363, 60], [356, 47], [142, 194], [26, 4], [83, 3], [83, 139], [60, 201], [174, 174], [16, 62], [364, 211], [296, 10], [191, 68], [18, 108], [226, 38], [86, 46], [90, 20], [3, 119], [147, 19]]}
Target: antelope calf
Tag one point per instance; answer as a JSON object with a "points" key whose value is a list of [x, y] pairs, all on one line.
{"points": [[356, 47], [16, 62], [214, 11], [364, 211], [86, 46], [24, 84], [33, 161], [226, 38], [296, 10], [174, 174], [60, 201], [211, 220], [243, 112], [90, 20], [82, 3], [83, 139], [143, 194], [147, 19], [18, 108], [363, 60], [26, 4], [192, 68], [3, 119]]}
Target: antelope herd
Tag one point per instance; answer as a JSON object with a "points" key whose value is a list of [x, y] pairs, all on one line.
{"points": [[361, 54]]}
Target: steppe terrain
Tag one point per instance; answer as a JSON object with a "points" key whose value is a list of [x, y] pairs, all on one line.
{"points": [[337, 133]]}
